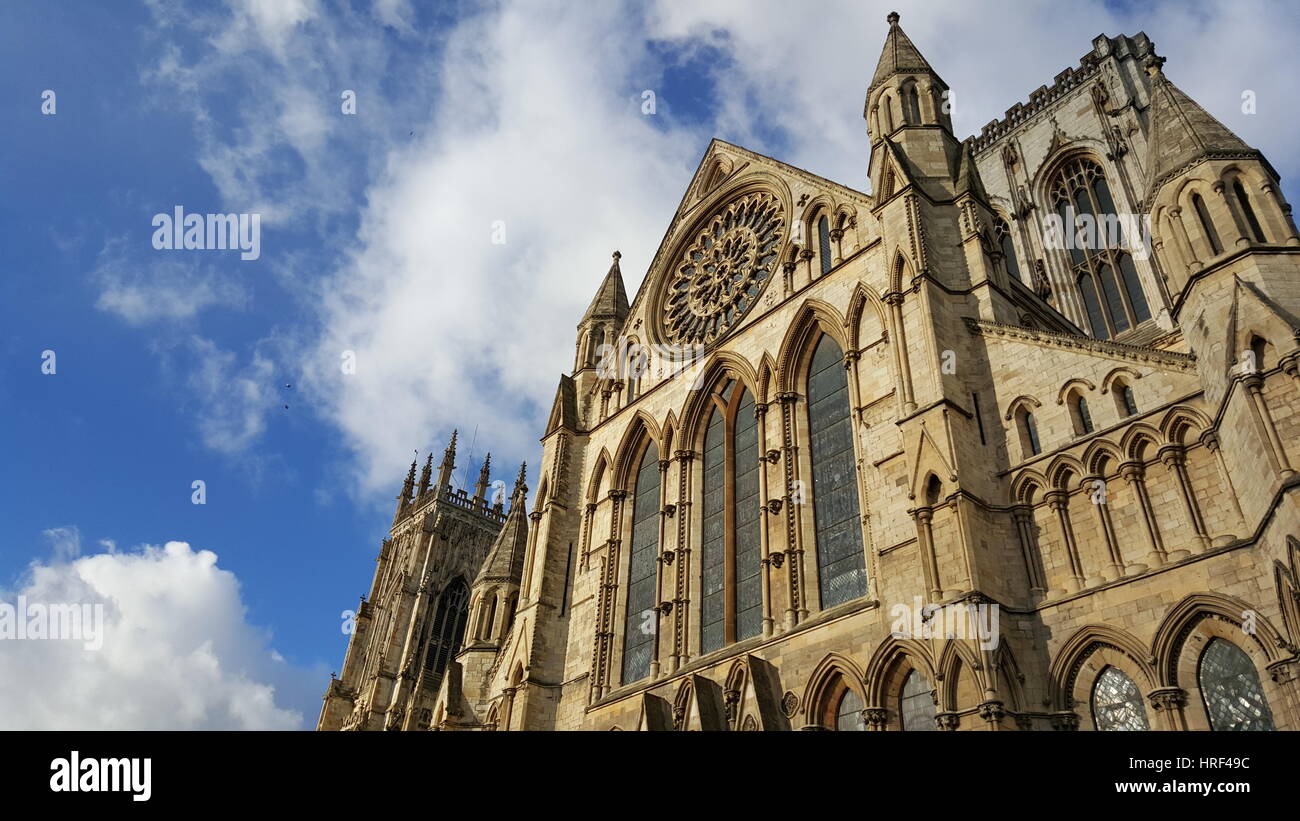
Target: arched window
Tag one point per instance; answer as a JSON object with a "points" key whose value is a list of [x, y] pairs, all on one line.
{"points": [[1207, 225], [1082, 418], [1002, 232], [1124, 401], [445, 632], [731, 587], [842, 573], [1231, 690], [491, 617], [1028, 433], [843, 707], [824, 243], [594, 341], [1259, 351], [1082, 199], [1247, 211], [640, 622], [911, 104], [1117, 703], [915, 704], [886, 109]]}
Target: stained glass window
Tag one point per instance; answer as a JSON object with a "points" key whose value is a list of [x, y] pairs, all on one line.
{"points": [[915, 704], [446, 631], [824, 241], [848, 715], [1080, 190], [748, 561], [1117, 703], [713, 549], [1231, 689], [641, 621], [730, 555], [841, 567]]}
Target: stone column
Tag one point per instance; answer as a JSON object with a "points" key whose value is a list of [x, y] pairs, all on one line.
{"points": [[1254, 385], [1135, 475], [1023, 515], [1117, 568], [1168, 703], [1175, 460], [898, 339], [925, 545], [1059, 501]]}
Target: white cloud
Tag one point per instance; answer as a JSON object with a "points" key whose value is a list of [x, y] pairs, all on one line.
{"points": [[177, 652], [161, 287], [234, 398]]}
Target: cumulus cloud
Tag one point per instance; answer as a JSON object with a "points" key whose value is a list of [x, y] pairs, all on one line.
{"points": [[177, 651]]}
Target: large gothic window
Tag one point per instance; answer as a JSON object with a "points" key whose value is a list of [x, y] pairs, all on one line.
{"points": [[1104, 273], [1117, 703], [1230, 687], [915, 704], [730, 561], [843, 707], [446, 632], [842, 574], [640, 621]]}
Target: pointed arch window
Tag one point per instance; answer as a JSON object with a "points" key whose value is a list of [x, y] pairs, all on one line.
{"points": [[1103, 272], [1117, 703], [911, 104], [842, 573], [824, 243], [730, 561], [445, 632], [1247, 211], [640, 621], [1230, 687], [1002, 232], [843, 707], [1207, 225], [1124, 400], [1029, 445], [916, 710], [1082, 418]]}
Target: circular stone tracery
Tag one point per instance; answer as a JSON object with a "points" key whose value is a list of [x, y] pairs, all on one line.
{"points": [[720, 275]]}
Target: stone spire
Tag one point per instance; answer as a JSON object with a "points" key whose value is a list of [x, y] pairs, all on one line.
{"points": [[404, 498], [448, 463], [481, 488], [425, 475], [899, 56], [1182, 132], [505, 560], [521, 489], [611, 297]]}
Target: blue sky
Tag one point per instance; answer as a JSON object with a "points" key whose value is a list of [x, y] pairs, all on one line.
{"points": [[172, 366]]}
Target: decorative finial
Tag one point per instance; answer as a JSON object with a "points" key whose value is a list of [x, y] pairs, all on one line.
{"points": [[892, 18], [1155, 65], [523, 473], [617, 256]]}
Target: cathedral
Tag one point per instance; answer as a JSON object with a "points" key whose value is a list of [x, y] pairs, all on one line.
{"points": [[1008, 443]]}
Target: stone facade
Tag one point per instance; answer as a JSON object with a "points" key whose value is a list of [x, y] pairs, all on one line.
{"points": [[1065, 476]]}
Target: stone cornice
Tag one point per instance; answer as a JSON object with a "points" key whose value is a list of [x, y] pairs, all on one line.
{"points": [[1114, 350]]}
